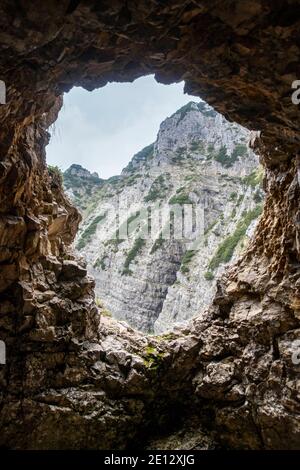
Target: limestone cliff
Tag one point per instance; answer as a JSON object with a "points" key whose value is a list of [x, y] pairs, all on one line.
{"points": [[198, 161]]}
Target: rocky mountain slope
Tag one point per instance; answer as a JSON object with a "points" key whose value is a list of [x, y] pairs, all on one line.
{"points": [[80, 184], [153, 278], [73, 382]]}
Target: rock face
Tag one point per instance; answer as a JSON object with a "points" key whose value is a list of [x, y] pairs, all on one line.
{"points": [[73, 381], [153, 279]]}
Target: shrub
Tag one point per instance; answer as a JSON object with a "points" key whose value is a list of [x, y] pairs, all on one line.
{"points": [[180, 199], [222, 156], [228, 160], [100, 263], [240, 150], [233, 196], [126, 272], [208, 275], [113, 180], [55, 173], [184, 269]]}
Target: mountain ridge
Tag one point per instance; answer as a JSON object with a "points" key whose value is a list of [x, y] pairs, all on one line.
{"points": [[198, 158]]}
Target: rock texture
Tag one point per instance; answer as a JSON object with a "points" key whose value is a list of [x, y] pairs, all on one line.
{"points": [[69, 382], [199, 162]]}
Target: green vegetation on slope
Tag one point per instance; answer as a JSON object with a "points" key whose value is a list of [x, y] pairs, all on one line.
{"points": [[153, 359], [179, 155], [208, 275], [186, 259], [55, 172], [180, 199], [184, 111], [100, 263], [255, 178], [226, 249], [158, 189], [197, 146], [143, 155], [240, 150], [89, 232], [137, 246], [157, 244], [206, 112]]}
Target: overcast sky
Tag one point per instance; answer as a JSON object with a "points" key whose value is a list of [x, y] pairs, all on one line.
{"points": [[103, 129]]}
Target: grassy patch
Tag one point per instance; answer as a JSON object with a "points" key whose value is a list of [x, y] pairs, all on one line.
{"points": [[152, 358], [104, 311]]}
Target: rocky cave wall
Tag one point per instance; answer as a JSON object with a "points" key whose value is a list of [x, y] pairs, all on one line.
{"points": [[74, 381]]}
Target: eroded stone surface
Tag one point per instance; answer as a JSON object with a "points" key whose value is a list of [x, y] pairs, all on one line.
{"points": [[72, 381]]}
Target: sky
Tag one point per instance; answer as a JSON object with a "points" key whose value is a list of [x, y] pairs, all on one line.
{"points": [[102, 130]]}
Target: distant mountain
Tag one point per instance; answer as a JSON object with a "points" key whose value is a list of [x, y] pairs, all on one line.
{"points": [[198, 160], [80, 185]]}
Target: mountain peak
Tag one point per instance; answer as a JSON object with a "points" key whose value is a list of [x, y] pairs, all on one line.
{"points": [[80, 172], [201, 107]]}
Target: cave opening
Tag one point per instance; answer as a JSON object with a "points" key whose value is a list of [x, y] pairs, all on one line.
{"points": [[163, 220], [72, 382]]}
